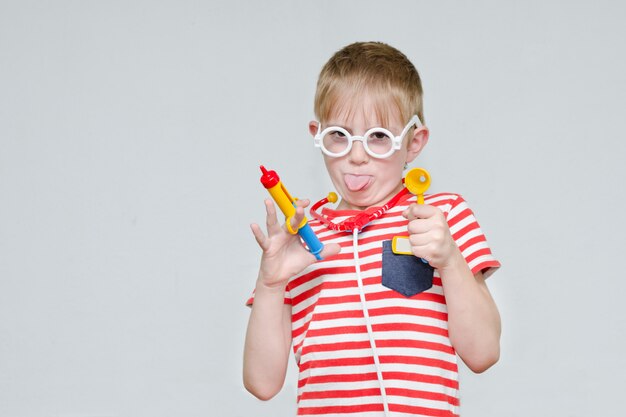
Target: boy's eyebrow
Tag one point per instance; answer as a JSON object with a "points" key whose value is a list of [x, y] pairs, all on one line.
{"points": [[333, 124], [329, 124]]}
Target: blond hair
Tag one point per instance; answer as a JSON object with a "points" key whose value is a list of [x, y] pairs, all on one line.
{"points": [[374, 68]]}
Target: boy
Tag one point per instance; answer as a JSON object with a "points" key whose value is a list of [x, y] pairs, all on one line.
{"points": [[374, 332]]}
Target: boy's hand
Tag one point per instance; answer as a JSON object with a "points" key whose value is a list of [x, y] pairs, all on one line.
{"points": [[430, 236], [283, 253]]}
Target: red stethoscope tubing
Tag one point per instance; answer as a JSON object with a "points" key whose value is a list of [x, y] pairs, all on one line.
{"points": [[359, 221]]}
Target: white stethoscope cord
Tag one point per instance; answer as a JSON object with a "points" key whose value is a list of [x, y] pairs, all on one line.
{"points": [[417, 182], [368, 323]]}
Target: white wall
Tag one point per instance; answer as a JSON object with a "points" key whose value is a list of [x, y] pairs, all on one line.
{"points": [[130, 139]]}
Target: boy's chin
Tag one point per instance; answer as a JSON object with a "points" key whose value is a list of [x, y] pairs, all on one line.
{"points": [[358, 201]]}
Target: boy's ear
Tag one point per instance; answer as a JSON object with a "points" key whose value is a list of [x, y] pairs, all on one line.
{"points": [[313, 126], [417, 143]]}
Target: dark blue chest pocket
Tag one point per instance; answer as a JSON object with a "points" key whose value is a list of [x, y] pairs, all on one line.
{"points": [[406, 274]]}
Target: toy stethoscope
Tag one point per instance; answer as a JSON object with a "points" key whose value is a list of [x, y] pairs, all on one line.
{"points": [[416, 182]]}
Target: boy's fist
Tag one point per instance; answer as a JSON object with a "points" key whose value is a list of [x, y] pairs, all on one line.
{"points": [[430, 235]]}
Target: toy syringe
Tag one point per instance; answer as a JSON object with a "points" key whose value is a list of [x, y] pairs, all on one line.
{"points": [[286, 203]]}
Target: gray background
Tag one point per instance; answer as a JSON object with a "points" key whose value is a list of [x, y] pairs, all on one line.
{"points": [[130, 138]]}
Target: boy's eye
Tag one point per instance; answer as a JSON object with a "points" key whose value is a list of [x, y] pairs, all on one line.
{"points": [[378, 136], [336, 135]]}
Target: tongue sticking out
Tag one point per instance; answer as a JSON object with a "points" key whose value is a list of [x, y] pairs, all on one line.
{"points": [[356, 182]]}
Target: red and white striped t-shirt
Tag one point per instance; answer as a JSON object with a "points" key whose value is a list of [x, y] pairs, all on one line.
{"points": [[337, 374]]}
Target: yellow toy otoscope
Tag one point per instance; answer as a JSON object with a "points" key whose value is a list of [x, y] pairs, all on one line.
{"points": [[417, 181]]}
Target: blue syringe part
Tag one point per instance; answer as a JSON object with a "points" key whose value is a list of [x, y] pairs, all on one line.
{"points": [[311, 240]]}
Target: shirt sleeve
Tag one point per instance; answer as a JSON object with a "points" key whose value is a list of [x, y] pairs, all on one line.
{"points": [[470, 239]]}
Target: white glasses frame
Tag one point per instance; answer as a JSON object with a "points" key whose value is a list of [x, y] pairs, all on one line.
{"points": [[396, 141]]}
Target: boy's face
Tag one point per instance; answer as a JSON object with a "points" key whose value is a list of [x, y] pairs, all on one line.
{"points": [[362, 180]]}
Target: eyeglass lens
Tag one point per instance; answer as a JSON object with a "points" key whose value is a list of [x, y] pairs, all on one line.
{"points": [[377, 142]]}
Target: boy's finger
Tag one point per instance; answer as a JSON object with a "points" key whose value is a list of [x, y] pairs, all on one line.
{"points": [[303, 203], [259, 235], [296, 219], [419, 211], [419, 240], [330, 249], [418, 227], [271, 220]]}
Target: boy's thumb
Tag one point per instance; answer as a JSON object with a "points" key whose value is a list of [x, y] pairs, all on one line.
{"points": [[330, 249]]}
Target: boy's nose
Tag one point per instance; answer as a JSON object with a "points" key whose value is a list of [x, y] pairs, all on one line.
{"points": [[357, 154]]}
